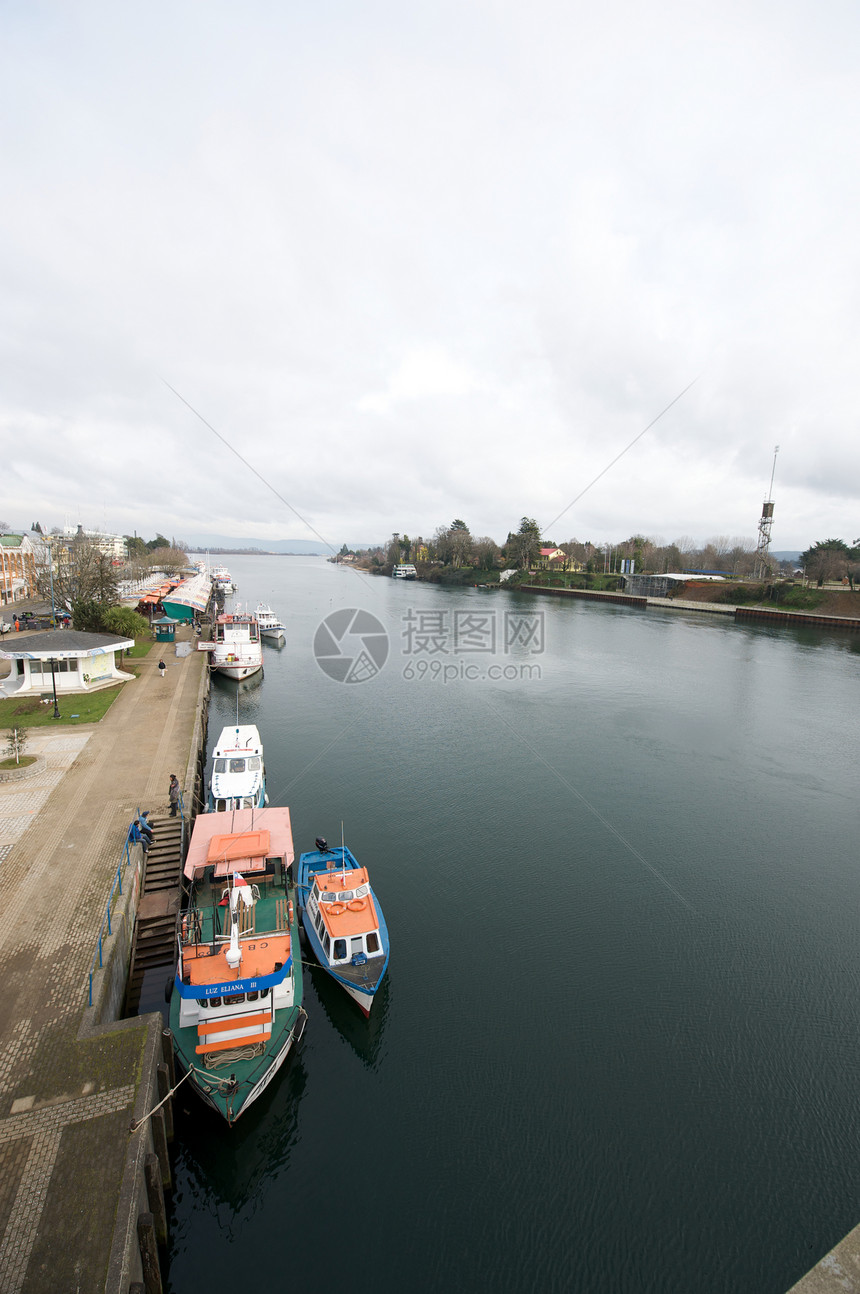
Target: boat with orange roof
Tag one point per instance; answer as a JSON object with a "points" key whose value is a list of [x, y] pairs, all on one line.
{"points": [[236, 1006], [343, 921]]}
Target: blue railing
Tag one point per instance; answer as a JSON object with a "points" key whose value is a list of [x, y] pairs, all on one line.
{"points": [[116, 887]]}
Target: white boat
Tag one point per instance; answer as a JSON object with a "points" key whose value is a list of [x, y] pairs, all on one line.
{"points": [[222, 579], [238, 770], [270, 625], [236, 649], [404, 571]]}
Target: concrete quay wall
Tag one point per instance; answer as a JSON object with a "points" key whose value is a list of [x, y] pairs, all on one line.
{"points": [[79, 1161]]}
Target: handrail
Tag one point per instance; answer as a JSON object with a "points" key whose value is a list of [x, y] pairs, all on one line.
{"points": [[116, 885]]}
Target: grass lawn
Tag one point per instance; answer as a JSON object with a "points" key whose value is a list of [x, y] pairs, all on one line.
{"points": [[22, 762], [29, 712], [142, 647]]}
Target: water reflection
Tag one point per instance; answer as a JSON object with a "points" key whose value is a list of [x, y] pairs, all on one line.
{"points": [[364, 1035]]}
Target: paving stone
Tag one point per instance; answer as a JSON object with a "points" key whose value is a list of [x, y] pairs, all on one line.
{"points": [[61, 1157]]}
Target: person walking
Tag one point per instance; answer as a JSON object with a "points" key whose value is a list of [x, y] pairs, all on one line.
{"points": [[162, 668], [174, 794]]}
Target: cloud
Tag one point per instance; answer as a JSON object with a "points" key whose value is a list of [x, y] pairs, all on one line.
{"points": [[423, 264]]}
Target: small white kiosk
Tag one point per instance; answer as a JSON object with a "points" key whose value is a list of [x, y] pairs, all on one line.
{"points": [[65, 660]]}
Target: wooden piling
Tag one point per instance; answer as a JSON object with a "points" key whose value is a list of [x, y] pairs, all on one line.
{"points": [[149, 1254], [167, 1053], [155, 1197], [159, 1138], [162, 1074]]}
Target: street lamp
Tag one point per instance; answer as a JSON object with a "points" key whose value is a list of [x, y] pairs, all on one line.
{"points": [[53, 664]]}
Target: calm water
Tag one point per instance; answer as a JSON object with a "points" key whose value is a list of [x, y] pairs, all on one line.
{"points": [[617, 1051]]}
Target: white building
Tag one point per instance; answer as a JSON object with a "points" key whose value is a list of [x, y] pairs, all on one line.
{"points": [[65, 659]]}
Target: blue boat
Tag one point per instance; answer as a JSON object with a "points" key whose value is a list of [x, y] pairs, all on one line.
{"points": [[343, 921]]}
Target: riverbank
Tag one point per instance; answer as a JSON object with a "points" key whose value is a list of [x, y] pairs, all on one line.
{"points": [[73, 1077]]}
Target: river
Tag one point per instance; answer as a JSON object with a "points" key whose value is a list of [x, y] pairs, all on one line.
{"points": [[616, 852]]}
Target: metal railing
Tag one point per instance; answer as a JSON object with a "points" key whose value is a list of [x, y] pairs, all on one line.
{"points": [[116, 887]]}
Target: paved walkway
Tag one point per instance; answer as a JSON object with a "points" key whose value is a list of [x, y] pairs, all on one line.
{"points": [[65, 1103]]}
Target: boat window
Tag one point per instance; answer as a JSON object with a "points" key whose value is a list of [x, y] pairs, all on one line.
{"points": [[327, 897], [373, 942], [201, 1002], [345, 897], [237, 765], [253, 995], [361, 891], [356, 945], [253, 763], [220, 806], [234, 999], [339, 950], [248, 802], [214, 1001], [220, 766]]}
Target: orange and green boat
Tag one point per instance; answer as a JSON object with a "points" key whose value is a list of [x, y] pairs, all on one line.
{"points": [[236, 1007]]}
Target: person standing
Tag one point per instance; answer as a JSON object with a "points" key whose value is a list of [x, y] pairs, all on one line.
{"points": [[162, 668], [174, 794]]}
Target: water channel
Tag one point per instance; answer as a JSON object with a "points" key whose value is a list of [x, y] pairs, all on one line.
{"points": [[616, 851]]}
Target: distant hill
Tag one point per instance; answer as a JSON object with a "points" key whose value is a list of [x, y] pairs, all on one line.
{"points": [[786, 555], [300, 547]]}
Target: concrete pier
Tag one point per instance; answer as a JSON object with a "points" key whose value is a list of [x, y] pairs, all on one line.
{"points": [[73, 1078]]}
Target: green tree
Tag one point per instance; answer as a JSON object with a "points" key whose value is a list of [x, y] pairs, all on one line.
{"points": [[125, 622], [158, 542], [828, 559], [523, 548], [16, 741], [135, 546]]}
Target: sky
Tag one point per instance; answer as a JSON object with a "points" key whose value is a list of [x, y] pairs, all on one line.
{"points": [[329, 271]]}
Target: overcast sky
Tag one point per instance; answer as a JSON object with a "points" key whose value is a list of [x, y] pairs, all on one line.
{"points": [[435, 260]]}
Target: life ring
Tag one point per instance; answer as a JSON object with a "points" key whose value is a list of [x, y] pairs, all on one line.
{"points": [[335, 909], [357, 905]]}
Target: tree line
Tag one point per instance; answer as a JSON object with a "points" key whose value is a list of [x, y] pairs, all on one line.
{"points": [[730, 555]]}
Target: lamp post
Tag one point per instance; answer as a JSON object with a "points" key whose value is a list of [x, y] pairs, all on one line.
{"points": [[53, 664]]}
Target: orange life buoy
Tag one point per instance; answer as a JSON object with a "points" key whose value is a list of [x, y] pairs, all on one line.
{"points": [[357, 905], [335, 909]]}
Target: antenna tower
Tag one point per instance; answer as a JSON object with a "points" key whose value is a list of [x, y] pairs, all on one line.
{"points": [[762, 559]]}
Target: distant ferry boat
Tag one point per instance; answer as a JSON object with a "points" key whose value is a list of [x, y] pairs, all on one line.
{"points": [[222, 579], [405, 571]]}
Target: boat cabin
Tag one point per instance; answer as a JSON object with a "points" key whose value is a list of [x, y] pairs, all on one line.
{"points": [[235, 944], [238, 773], [342, 911]]}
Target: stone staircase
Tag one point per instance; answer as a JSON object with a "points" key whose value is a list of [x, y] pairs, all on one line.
{"points": [[153, 954]]}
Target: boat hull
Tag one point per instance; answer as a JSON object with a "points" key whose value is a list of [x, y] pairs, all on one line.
{"points": [[235, 669], [213, 1090]]}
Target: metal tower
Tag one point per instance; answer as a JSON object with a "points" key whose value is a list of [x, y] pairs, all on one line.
{"points": [[762, 560]]}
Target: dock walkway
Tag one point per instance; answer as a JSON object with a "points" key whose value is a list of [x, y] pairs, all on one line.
{"points": [[68, 1089]]}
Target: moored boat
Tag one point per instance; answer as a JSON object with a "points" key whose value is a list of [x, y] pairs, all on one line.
{"points": [[270, 625], [404, 571], [222, 579], [238, 770], [236, 1007], [235, 649], [343, 921]]}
